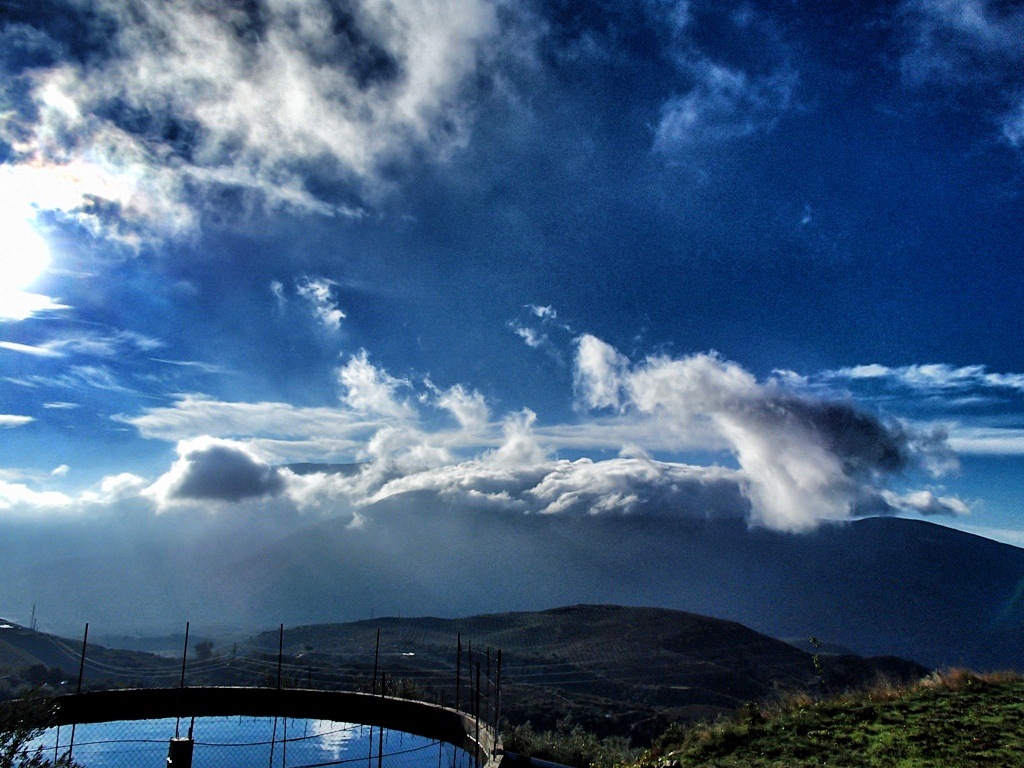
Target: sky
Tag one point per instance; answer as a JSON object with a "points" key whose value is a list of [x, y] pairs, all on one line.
{"points": [[740, 259]]}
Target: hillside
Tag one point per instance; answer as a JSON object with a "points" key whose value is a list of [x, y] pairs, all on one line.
{"points": [[957, 720], [21, 649], [877, 586], [614, 670]]}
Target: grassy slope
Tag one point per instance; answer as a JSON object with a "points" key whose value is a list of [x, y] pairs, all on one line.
{"points": [[953, 720]]}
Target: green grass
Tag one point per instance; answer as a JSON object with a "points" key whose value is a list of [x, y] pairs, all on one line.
{"points": [[949, 720]]}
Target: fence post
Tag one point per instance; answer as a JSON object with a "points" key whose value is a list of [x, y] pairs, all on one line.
{"points": [[280, 654], [179, 753], [376, 657], [458, 669], [476, 715], [81, 674], [184, 657], [497, 700]]}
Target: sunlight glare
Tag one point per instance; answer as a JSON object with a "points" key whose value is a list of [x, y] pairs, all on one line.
{"points": [[24, 254]]}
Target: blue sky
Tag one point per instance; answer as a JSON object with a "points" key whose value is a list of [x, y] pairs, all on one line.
{"points": [[755, 259]]}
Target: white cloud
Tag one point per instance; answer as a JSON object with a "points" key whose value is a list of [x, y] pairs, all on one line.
{"points": [[317, 291], [598, 372], [996, 441], [520, 447], [926, 503], [60, 471], [969, 43], [10, 420], [121, 486], [533, 339], [18, 496], [469, 408], [723, 105], [29, 349], [803, 459], [798, 459], [544, 313], [1013, 124], [195, 414], [931, 376], [371, 390], [346, 89], [277, 291]]}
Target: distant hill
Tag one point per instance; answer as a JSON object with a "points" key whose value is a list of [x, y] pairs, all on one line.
{"points": [[613, 669], [22, 648]]}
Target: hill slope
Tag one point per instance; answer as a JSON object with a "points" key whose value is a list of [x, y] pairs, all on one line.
{"points": [[953, 721], [21, 647], [613, 669]]}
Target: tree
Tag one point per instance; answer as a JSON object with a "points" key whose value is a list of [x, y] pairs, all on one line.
{"points": [[204, 650], [21, 721]]}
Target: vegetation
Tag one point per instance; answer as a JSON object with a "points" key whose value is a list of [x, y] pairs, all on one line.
{"points": [[20, 722], [569, 744], [15, 683], [952, 719]]}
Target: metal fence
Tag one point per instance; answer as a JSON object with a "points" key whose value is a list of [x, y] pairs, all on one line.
{"points": [[245, 742]]}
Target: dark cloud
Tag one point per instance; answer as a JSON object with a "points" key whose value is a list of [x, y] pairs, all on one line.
{"points": [[860, 440], [224, 473]]}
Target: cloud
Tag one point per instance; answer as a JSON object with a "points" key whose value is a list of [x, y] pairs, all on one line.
{"points": [[969, 45], [196, 414], [544, 313], [534, 339], [803, 459], [216, 470], [60, 471], [931, 377], [926, 503], [277, 291], [624, 486], [89, 344], [30, 349], [979, 410], [469, 408], [520, 446], [535, 327], [317, 291], [793, 458], [21, 305], [18, 496], [598, 373], [191, 97], [1013, 124], [724, 104], [371, 390], [124, 485], [996, 441], [9, 420]]}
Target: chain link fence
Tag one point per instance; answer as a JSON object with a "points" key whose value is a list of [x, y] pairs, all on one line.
{"points": [[249, 742]]}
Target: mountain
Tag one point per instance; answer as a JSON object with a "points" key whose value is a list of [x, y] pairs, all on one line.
{"points": [[612, 669], [877, 586]]}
